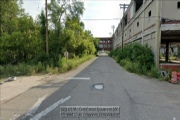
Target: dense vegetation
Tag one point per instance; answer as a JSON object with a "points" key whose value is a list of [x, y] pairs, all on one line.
{"points": [[137, 59], [23, 40]]}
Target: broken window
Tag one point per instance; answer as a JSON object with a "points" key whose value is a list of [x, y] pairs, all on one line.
{"points": [[125, 20], [178, 5], [138, 4], [137, 24], [149, 14]]}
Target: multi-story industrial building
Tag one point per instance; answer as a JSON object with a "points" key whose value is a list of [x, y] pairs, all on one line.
{"points": [[152, 22], [105, 43]]}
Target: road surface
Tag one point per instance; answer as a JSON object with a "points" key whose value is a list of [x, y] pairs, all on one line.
{"points": [[139, 98]]}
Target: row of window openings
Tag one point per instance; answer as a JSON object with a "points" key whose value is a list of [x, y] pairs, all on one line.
{"points": [[105, 41], [109, 46], [140, 2], [149, 15], [129, 35]]}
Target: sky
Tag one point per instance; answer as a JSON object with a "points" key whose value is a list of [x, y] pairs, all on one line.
{"points": [[99, 15]]}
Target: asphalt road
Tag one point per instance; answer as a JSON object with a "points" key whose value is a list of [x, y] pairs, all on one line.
{"points": [[139, 98]]}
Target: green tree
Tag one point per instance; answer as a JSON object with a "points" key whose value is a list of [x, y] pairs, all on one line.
{"points": [[42, 21], [9, 11], [23, 39], [62, 13], [19, 40]]}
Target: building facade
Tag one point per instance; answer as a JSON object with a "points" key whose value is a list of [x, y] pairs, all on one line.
{"points": [[105, 43], [151, 22]]}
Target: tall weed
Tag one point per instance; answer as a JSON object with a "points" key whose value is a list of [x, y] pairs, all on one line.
{"points": [[136, 58], [29, 69]]}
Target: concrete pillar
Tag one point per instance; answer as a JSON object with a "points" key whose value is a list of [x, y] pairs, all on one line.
{"points": [[157, 35], [167, 51]]}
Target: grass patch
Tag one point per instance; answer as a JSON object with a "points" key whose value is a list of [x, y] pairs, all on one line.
{"points": [[26, 69], [66, 65]]}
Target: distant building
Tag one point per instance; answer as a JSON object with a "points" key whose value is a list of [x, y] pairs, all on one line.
{"points": [[152, 22], [105, 43]]}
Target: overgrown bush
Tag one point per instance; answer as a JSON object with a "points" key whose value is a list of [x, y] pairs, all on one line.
{"points": [[28, 69], [62, 64], [154, 72], [136, 58]]}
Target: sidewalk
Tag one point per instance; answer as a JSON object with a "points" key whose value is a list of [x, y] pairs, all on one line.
{"points": [[9, 90]]}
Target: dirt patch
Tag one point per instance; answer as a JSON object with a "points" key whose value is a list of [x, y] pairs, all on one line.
{"points": [[13, 88]]}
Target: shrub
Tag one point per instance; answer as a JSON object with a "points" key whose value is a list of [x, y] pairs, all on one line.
{"points": [[1, 70], [40, 67], [136, 53], [144, 70], [132, 67], [129, 66], [23, 69], [154, 72], [52, 70], [10, 70], [28, 69], [123, 62], [136, 58], [62, 64]]}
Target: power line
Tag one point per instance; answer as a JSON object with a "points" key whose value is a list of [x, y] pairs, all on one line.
{"points": [[38, 6], [38, 9], [122, 0], [99, 19], [116, 18]]}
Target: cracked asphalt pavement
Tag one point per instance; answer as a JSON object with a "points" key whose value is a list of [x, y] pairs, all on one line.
{"points": [[138, 97]]}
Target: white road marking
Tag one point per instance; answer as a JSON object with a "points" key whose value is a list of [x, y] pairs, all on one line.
{"points": [[50, 108], [174, 118], [33, 109], [79, 78]]}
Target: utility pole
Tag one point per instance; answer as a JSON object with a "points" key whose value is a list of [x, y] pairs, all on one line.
{"points": [[113, 27], [123, 6], [110, 34], [47, 47]]}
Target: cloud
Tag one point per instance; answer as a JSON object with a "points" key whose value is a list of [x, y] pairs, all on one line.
{"points": [[94, 9], [102, 10]]}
